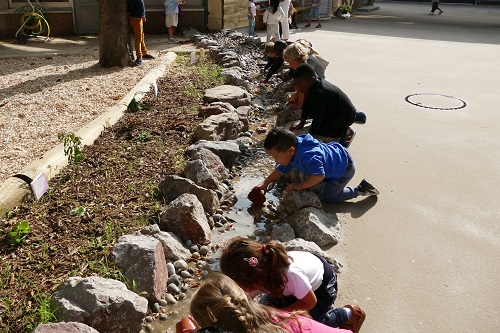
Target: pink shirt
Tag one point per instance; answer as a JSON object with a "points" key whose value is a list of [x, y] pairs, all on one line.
{"points": [[302, 324]]}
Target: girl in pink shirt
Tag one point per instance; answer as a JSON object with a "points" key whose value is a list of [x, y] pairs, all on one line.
{"points": [[221, 302]]}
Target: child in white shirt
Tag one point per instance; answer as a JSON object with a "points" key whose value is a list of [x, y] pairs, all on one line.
{"points": [[272, 16]]}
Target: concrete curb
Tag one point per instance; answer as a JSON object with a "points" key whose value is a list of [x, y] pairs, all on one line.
{"points": [[14, 190]]}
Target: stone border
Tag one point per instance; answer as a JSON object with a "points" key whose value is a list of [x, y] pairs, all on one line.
{"points": [[14, 190]]}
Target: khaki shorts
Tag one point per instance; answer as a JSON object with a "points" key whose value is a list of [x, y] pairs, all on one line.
{"points": [[171, 20]]}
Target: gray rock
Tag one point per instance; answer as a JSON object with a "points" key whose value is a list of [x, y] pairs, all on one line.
{"points": [[288, 115], [104, 304], [180, 265], [230, 94], [170, 269], [296, 200], [212, 162], [216, 108], [282, 232], [243, 113], [185, 274], [163, 302], [185, 218], [172, 245], [149, 328], [173, 186], [142, 261], [182, 296], [220, 127], [149, 319], [155, 308], [193, 248], [299, 244], [72, 327], [315, 225], [172, 288], [227, 151], [233, 75], [204, 250], [170, 299], [175, 279], [164, 316], [201, 175]]}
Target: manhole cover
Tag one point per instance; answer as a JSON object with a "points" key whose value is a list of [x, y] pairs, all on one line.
{"points": [[436, 101]]}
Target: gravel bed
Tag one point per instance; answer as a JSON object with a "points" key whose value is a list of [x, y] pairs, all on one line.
{"points": [[41, 97]]}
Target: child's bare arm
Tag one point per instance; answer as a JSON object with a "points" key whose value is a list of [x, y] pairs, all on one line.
{"points": [[307, 183], [307, 303]]}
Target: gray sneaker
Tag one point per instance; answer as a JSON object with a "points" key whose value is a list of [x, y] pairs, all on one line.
{"points": [[172, 41], [366, 189]]}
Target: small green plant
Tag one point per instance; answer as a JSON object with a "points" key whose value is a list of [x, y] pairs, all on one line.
{"points": [[78, 211], [192, 92], [19, 232], [135, 106], [73, 147], [180, 161], [344, 9], [143, 136]]}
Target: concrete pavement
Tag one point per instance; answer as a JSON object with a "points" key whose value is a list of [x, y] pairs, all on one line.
{"points": [[424, 257]]}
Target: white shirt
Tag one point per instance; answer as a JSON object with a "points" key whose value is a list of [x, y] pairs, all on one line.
{"points": [[270, 18], [285, 5], [252, 7], [305, 273]]}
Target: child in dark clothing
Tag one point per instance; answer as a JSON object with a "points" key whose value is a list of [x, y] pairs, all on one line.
{"points": [[332, 112], [279, 47], [319, 162], [137, 16]]}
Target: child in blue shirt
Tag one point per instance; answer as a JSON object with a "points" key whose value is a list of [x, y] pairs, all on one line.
{"points": [[319, 162]]}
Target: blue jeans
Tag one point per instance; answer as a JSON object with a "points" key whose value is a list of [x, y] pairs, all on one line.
{"points": [[251, 25], [336, 190]]}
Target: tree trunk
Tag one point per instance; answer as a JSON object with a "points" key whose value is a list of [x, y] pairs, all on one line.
{"points": [[114, 36]]}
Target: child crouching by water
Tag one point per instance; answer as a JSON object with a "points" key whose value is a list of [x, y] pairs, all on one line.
{"points": [[220, 301], [291, 281]]}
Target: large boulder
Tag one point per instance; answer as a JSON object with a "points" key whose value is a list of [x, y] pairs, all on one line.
{"points": [[220, 127], [173, 249], [216, 108], [282, 232], [299, 244], [212, 162], [228, 151], [142, 261], [231, 94], [201, 175], [315, 225], [104, 304], [185, 218], [297, 200], [234, 76], [64, 328], [173, 186], [288, 115]]}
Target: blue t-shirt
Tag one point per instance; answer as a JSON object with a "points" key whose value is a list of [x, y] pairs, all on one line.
{"points": [[171, 7], [314, 158]]}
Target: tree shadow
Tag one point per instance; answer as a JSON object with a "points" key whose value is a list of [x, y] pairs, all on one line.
{"points": [[356, 209]]}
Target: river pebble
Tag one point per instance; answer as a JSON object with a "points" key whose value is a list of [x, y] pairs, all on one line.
{"points": [[170, 299], [163, 316], [194, 248], [149, 319], [155, 308], [163, 302], [149, 328], [204, 250], [180, 264], [170, 269], [184, 288], [175, 279], [172, 288], [217, 217], [182, 296], [185, 274], [188, 243]]}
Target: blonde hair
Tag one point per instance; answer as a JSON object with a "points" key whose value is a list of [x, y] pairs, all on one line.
{"points": [[220, 302], [296, 52]]}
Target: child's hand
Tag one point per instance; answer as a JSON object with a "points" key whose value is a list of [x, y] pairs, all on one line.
{"points": [[262, 186], [293, 186]]}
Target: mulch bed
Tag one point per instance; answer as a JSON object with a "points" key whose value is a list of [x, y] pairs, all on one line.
{"points": [[116, 183]]}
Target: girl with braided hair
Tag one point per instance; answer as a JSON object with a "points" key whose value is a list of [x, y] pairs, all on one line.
{"points": [[220, 301], [291, 281]]}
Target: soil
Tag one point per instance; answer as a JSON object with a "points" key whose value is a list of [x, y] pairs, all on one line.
{"points": [[116, 184]]}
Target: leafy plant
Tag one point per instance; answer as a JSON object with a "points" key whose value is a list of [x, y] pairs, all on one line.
{"points": [[73, 147], [19, 232], [143, 136], [78, 211], [345, 8], [135, 106]]}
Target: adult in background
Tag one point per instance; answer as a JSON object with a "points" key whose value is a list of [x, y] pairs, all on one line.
{"points": [[435, 5], [171, 18], [285, 6], [137, 15]]}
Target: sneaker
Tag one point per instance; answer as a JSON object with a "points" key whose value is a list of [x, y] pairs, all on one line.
{"points": [[138, 61], [172, 41], [148, 56], [347, 139], [357, 319], [319, 26], [366, 189], [431, 13], [307, 25]]}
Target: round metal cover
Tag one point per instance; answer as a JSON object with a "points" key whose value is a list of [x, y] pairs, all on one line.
{"points": [[436, 101]]}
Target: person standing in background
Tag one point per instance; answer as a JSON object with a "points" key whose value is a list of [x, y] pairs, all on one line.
{"points": [[252, 12], [171, 18], [435, 5], [137, 15], [285, 6]]}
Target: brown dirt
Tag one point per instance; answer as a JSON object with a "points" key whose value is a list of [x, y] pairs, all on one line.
{"points": [[117, 183]]}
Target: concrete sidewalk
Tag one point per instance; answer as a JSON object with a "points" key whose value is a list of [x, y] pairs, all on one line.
{"points": [[424, 256]]}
